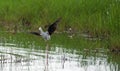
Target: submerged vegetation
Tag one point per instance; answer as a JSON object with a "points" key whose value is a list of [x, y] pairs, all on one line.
{"points": [[98, 18]]}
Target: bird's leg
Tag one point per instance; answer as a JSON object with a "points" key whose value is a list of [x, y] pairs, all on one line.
{"points": [[47, 47]]}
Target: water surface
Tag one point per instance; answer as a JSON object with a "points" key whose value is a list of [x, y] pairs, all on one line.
{"points": [[14, 58]]}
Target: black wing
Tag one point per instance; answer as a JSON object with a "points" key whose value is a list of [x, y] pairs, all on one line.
{"points": [[53, 26], [35, 33]]}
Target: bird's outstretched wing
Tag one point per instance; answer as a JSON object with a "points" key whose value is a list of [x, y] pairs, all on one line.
{"points": [[35, 33], [53, 26]]}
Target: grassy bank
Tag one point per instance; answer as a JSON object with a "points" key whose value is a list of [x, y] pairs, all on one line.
{"points": [[99, 18]]}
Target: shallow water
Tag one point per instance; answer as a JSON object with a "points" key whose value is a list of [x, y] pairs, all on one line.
{"points": [[13, 58]]}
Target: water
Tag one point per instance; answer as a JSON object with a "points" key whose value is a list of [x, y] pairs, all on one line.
{"points": [[14, 58]]}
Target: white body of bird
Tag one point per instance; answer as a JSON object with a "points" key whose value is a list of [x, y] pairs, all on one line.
{"points": [[45, 35]]}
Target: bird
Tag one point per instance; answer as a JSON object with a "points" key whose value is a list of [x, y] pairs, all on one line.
{"points": [[51, 29]]}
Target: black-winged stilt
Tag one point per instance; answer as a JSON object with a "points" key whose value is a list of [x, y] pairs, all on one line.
{"points": [[46, 35]]}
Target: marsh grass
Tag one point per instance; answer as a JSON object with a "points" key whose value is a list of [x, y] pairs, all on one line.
{"points": [[99, 18]]}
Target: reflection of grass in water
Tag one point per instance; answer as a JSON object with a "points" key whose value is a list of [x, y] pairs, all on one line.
{"points": [[77, 42], [30, 41], [22, 40], [114, 59]]}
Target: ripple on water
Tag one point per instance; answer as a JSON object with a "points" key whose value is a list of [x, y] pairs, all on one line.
{"points": [[13, 58]]}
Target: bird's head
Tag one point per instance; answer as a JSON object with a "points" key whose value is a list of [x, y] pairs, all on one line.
{"points": [[40, 28], [41, 31]]}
